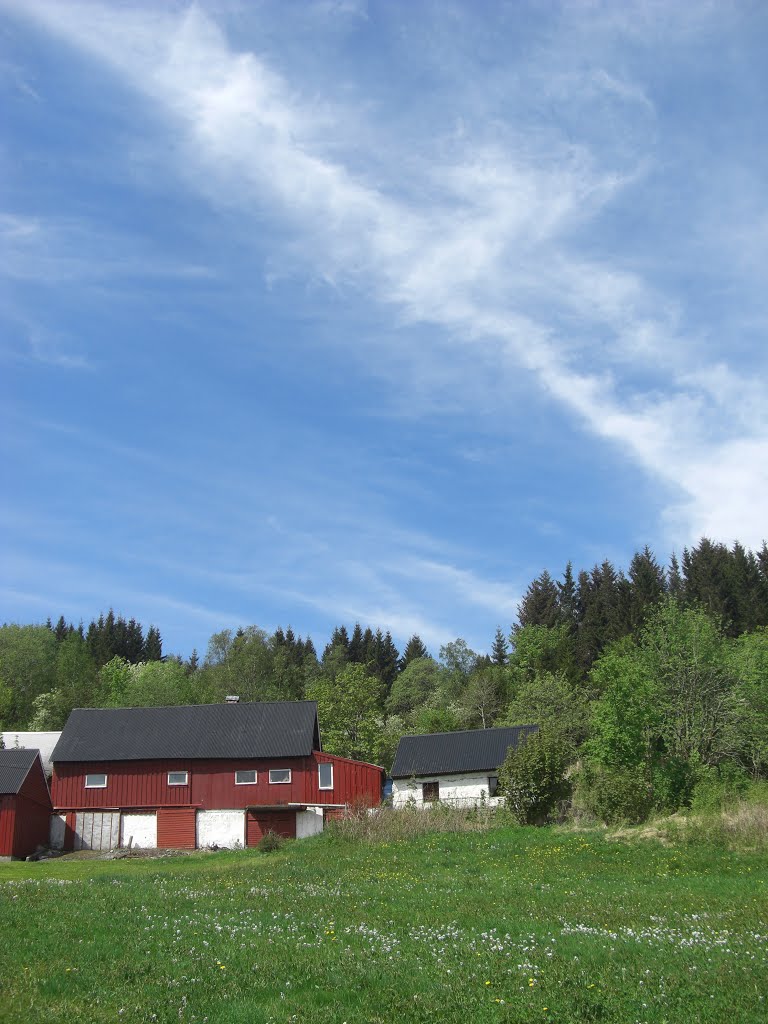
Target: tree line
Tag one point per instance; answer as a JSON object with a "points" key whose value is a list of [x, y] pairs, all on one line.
{"points": [[644, 684]]}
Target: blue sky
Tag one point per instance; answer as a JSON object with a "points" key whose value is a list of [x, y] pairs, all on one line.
{"points": [[316, 312]]}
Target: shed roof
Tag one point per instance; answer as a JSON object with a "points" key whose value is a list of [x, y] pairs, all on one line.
{"points": [[444, 753], [14, 768], [274, 729]]}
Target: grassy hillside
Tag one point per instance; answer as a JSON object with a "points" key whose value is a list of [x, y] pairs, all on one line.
{"points": [[509, 925]]}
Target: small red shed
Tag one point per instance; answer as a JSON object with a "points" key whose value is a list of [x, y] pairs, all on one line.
{"points": [[25, 803]]}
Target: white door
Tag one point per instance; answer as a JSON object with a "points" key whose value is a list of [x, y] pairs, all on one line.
{"points": [[221, 828], [139, 831]]}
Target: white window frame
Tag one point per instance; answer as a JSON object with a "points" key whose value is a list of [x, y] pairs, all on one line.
{"points": [[279, 782], [324, 764], [96, 785], [250, 782], [184, 783]]}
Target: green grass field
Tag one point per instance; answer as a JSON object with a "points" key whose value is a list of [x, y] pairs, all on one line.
{"points": [[508, 925]]}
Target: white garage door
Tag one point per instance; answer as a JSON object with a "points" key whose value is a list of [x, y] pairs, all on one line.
{"points": [[221, 828], [140, 830]]}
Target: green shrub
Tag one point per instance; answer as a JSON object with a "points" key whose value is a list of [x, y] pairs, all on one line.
{"points": [[533, 777], [719, 788], [614, 796], [271, 842]]}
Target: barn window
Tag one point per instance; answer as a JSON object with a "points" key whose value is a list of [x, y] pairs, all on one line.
{"points": [[178, 778], [98, 781], [279, 775], [430, 791], [325, 774], [246, 777], [493, 785]]}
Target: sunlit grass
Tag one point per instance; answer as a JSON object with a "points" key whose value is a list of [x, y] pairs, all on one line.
{"points": [[506, 925]]}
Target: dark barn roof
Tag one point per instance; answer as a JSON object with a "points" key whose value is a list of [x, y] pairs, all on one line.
{"points": [[275, 729], [445, 753], [14, 768]]}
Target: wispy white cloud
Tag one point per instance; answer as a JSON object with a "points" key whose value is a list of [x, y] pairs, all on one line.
{"points": [[54, 251], [465, 586], [480, 240]]}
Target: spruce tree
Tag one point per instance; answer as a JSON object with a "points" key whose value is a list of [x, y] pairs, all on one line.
{"points": [[153, 645], [566, 597], [539, 606], [120, 638], [601, 612], [413, 649], [356, 648], [706, 570], [134, 642], [748, 597], [387, 659], [370, 651], [500, 649], [646, 586], [675, 585], [339, 641]]}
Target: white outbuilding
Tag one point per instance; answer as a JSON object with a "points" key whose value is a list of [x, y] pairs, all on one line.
{"points": [[456, 768]]}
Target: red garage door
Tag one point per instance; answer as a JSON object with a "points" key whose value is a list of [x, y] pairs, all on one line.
{"points": [[176, 828], [259, 823]]}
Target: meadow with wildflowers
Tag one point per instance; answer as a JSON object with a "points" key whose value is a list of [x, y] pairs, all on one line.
{"points": [[506, 925]]}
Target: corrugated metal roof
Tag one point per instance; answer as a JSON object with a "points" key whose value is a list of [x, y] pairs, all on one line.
{"points": [[14, 768], [42, 741], [278, 729], [444, 753]]}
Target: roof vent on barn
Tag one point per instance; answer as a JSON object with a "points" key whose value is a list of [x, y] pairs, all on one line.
{"points": [[232, 698]]}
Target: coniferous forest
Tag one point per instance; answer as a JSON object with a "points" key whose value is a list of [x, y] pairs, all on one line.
{"points": [[648, 685]]}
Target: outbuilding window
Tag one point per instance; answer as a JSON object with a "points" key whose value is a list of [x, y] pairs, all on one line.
{"points": [[430, 791], [325, 775], [247, 777], [178, 778], [96, 781], [493, 785], [278, 775]]}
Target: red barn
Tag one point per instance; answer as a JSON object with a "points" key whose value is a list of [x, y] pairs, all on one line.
{"points": [[199, 775], [25, 803]]}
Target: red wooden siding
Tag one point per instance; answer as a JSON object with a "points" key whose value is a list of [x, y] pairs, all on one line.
{"points": [[211, 786], [33, 824], [129, 784], [7, 825], [176, 828], [353, 781], [69, 831], [258, 823]]}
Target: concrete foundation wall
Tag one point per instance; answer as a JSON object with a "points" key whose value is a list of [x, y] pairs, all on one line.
{"points": [[57, 831], [309, 822]]}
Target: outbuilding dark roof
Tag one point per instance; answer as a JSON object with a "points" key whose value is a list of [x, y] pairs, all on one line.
{"points": [[275, 729], [446, 753], [14, 768]]}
